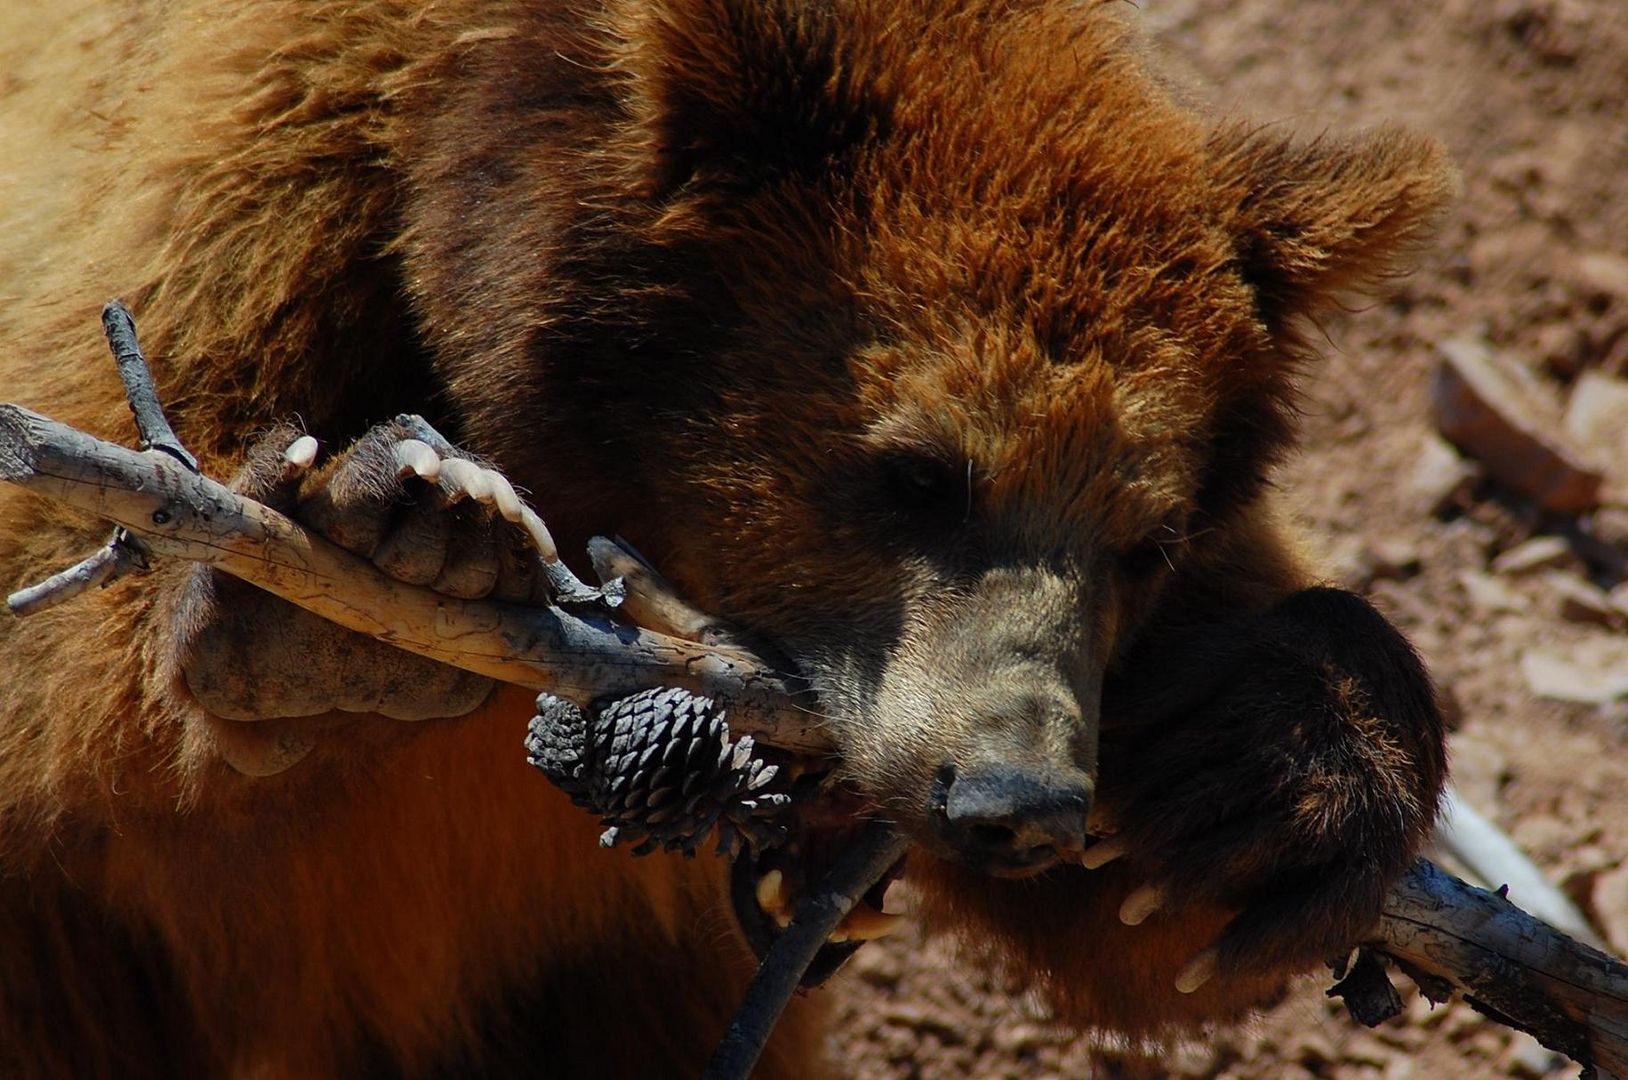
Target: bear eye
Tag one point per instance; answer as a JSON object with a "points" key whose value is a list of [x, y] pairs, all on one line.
{"points": [[927, 486], [1156, 552]]}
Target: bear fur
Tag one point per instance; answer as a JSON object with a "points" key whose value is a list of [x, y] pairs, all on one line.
{"points": [[906, 333]]}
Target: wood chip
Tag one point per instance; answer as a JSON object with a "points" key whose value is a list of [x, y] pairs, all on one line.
{"points": [[1495, 412]]}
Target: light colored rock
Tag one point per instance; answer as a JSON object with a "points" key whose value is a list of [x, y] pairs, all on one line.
{"points": [[1594, 673], [1538, 553], [1490, 595], [1580, 601], [1441, 476], [1529, 1059], [1492, 409], [1597, 419], [1610, 905], [1391, 559], [1609, 524], [1604, 273], [1479, 771]]}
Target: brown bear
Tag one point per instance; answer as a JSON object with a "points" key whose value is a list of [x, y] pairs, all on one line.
{"points": [[934, 342]]}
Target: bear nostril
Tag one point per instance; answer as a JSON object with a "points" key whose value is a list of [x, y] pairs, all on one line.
{"points": [[1011, 811]]}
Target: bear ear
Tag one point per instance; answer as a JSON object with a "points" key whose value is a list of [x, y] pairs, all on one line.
{"points": [[1314, 222], [742, 91]]}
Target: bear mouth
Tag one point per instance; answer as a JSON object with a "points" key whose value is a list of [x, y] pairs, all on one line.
{"points": [[766, 885]]}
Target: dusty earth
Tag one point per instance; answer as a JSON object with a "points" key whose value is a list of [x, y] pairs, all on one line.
{"points": [[1531, 96]]}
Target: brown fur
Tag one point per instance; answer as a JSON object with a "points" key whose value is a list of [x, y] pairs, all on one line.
{"points": [[701, 273]]}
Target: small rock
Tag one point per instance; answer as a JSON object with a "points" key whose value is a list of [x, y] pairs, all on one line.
{"points": [[1313, 1049], [1492, 410], [1391, 560], [1609, 905], [1604, 274], [1618, 599], [1023, 1038], [1538, 553], [1609, 525], [1561, 348], [1595, 418], [1579, 601], [1399, 1069], [1528, 1058], [1562, 678], [1480, 770], [1491, 596], [1442, 477]]}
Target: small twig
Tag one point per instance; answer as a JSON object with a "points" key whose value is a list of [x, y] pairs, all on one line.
{"points": [[151, 423], [123, 554], [861, 866]]}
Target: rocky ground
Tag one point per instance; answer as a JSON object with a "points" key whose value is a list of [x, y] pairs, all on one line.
{"points": [[1519, 318]]}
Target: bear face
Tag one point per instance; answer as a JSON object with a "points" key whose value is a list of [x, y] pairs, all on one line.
{"points": [[971, 343]]}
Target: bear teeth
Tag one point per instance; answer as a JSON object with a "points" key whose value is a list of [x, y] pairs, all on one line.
{"points": [[865, 923], [774, 898]]}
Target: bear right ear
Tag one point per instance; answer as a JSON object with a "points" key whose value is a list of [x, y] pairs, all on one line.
{"points": [[1315, 222], [741, 91]]}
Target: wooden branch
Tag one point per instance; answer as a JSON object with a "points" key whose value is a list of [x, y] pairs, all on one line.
{"points": [[861, 864], [576, 655], [1569, 996], [1445, 933]]}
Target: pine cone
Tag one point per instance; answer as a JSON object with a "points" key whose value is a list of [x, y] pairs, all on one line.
{"points": [[658, 765]]}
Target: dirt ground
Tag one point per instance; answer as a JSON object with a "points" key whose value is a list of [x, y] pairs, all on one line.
{"points": [[1531, 96]]}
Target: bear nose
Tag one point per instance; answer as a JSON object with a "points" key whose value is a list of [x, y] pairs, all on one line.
{"points": [[1003, 813]]}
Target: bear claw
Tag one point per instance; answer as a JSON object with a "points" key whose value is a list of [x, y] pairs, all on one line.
{"points": [[1103, 852], [1142, 902], [1198, 971]]}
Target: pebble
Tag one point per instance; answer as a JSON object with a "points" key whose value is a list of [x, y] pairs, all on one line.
{"points": [[1580, 601], [1530, 1059], [1442, 477], [1491, 596], [1609, 904], [1538, 553], [1594, 418], [1592, 672]]}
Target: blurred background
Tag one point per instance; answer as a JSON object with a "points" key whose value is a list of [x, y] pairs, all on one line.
{"points": [[1465, 465]]}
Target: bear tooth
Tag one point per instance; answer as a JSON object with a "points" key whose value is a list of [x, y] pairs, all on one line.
{"points": [[1142, 902], [865, 923], [772, 897]]}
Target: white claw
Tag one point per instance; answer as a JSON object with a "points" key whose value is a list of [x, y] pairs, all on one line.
{"points": [[1103, 852], [541, 538], [466, 479], [865, 923], [1199, 970], [503, 496], [1142, 902], [301, 453], [414, 458]]}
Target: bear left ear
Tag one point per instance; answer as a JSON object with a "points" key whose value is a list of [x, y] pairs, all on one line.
{"points": [[1313, 222], [742, 91]]}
